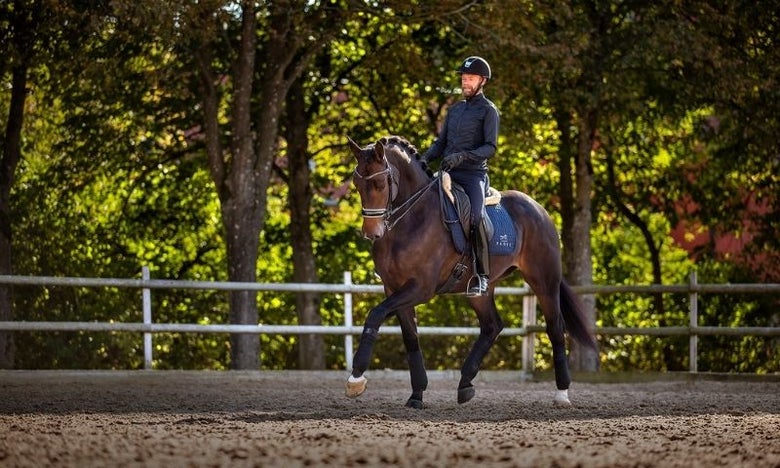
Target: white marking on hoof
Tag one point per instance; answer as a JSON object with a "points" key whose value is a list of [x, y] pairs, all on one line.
{"points": [[562, 398], [356, 386]]}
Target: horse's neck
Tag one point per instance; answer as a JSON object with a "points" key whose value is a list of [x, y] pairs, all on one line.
{"points": [[410, 178], [408, 189]]}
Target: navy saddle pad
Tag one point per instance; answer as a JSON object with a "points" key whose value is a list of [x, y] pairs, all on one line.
{"points": [[504, 238]]}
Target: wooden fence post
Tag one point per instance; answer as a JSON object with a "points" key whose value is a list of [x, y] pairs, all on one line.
{"points": [[147, 308], [693, 340], [529, 339], [348, 321]]}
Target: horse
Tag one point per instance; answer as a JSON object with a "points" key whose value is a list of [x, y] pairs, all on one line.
{"points": [[416, 259]]}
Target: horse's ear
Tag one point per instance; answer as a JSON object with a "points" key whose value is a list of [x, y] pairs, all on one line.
{"points": [[356, 149], [379, 150]]}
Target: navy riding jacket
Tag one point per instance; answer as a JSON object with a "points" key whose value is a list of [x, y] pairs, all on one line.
{"points": [[471, 126]]}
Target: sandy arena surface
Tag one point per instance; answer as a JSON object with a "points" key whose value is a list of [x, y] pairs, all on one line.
{"points": [[291, 419]]}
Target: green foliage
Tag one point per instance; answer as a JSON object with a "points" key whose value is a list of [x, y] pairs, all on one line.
{"points": [[115, 176]]}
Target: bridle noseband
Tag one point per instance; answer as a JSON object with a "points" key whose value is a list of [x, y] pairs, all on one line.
{"points": [[379, 212]]}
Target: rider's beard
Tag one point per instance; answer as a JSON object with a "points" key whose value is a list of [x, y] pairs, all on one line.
{"points": [[469, 91]]}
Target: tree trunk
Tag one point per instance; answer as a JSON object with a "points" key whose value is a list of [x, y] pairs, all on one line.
{"points": [[11, 156], [242, 175], [243, 208], [240, 186], [242, 247], [6, 308], [578, 264], [567, 154], [311, 348]]}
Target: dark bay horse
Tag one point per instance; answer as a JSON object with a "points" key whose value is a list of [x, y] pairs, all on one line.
{"points": [[416, 259]]}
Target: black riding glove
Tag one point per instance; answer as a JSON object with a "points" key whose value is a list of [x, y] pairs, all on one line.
{"points": [[451, 161]]}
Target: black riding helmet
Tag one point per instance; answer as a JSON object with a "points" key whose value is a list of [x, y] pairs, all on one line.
{"points": [[475, 66]]}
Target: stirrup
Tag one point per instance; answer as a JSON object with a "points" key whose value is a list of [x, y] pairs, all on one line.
{"points": [[477, 286]]}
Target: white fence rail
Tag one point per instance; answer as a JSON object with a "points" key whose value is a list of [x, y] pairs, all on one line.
{"points": [[527, 331]]}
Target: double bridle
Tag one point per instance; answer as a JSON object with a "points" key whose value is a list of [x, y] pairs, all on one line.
{"points": [[389, 211]]}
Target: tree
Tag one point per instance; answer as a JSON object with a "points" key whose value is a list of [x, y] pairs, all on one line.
{"points": [[27, 29], [311, 352], [18, 23], [115, 169], [275, 46]]}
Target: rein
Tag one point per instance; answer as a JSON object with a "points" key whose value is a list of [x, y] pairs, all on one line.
{"points": [[387, 213]]}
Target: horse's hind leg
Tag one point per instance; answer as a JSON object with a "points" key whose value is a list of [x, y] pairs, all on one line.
{"points": [[490, 325], [419, 377], [551, 308]]}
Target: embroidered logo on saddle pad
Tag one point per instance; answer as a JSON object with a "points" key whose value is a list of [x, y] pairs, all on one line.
{"points": [[504, 238]]}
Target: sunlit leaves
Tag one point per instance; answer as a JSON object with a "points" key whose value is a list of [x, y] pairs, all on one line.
{"points": [[114, 176]]}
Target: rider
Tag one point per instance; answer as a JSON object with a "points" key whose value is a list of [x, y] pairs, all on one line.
{"points": [[468, 138]]}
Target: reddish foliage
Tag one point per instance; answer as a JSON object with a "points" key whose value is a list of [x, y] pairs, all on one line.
{"points": [[727, 244]]}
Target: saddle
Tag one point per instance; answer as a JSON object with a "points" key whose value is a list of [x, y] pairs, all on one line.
{"points": [[496, 224]]}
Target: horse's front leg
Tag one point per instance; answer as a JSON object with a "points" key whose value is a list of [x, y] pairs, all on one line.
{"points": [[356, 384], [419, 378], [404, 298], [490, 326]]}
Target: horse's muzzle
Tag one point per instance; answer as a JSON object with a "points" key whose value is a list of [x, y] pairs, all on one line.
{"points": [[373, 228]]}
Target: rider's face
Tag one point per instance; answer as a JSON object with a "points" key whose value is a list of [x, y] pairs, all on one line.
{"points": [[470, 84]]}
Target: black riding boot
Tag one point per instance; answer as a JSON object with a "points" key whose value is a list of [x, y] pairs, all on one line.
{"points": [[478, 284]]}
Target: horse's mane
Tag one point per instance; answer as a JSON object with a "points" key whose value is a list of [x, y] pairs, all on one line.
{"points": [[409, 150]]}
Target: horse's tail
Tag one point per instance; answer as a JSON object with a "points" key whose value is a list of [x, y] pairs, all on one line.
{"points": [[574, 317]]}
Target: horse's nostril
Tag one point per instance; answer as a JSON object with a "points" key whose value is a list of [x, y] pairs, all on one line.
{"points": [[372, 229]]}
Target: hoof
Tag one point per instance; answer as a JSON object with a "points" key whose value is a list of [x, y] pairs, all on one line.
{"points": [[561, 399], [466, 394], [414, 403], [356, 386]]}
